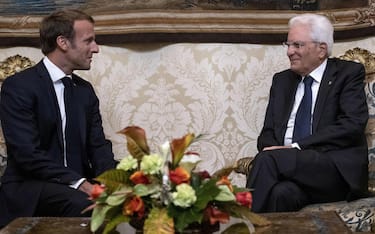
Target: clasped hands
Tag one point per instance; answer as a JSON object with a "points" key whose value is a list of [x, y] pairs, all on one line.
{"points": [[275, 147]]}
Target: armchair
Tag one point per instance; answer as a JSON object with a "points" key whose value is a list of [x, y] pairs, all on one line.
{"points": [[359, 215], [9, 67]]}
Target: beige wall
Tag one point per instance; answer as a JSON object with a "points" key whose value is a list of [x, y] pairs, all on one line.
{"points": [[215, 89]]}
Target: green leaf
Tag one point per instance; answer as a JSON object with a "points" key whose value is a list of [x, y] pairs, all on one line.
{"points": [[206, 193], [225, 194], [158, 222], [113, 179], [144, 190], [245, 213], [118, 197], [112, 224], [98, 216], [195, 180], [135, 150], [184, 217], [237, 228]]}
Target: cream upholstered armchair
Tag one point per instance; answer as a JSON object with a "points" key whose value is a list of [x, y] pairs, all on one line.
{"points": [[359, 215], [8, 67]]}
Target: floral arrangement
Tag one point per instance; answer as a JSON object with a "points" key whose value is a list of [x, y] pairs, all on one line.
{"points": [[153, 188]]}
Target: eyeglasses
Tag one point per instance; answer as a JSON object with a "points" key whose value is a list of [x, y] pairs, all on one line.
{"points": [[297, 44]]}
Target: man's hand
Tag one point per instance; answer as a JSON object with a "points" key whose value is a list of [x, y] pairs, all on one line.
{"points": [[275, 147], [86, 187]]}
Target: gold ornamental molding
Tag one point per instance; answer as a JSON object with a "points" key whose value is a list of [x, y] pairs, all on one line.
{"points": [[198, 25], [14, 64]]}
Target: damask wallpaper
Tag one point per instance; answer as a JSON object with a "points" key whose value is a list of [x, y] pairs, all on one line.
{"points": [[219, 90]]}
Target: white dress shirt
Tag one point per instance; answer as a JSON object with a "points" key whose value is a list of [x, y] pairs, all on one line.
{"points": [[317, 75], [56, 75]]}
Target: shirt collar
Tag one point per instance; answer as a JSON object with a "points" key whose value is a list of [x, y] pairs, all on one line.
{"points": [[317, 73], [55, 72]]}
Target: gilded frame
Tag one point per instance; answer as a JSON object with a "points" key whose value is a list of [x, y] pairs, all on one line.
{"points": [[234, 26]]}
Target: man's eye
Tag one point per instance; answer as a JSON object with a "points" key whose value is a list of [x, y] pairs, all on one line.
{"points": [[297, 45]]}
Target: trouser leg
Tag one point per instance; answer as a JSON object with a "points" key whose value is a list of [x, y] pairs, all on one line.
{"points": [[62, 201], [286, 180]]}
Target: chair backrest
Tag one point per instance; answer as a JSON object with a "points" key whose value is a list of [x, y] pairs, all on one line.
{"points": [[8, 67], [368, 60]]}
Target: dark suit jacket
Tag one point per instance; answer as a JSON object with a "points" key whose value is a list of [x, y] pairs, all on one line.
{"points": [[339, 119], [31, 125]]}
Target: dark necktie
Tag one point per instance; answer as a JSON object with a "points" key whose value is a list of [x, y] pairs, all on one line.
{"points": [[302, 124], [72, 134]]}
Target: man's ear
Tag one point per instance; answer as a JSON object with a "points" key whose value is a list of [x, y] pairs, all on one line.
{"points": [[323, 50], [62, 42]]}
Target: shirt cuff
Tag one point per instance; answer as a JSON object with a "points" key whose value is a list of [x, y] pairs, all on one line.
{"points": [[78, 183], [295, 145]]}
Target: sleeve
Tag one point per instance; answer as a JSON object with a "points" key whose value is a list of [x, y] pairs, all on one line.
{"points": [[100, 149], [344, 113], [19, 106], [267, 135]]}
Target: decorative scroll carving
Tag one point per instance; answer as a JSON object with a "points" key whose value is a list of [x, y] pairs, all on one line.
{"points": [[366, 15], [365, 57], [14, 64], [124, 25], [8, 67]]}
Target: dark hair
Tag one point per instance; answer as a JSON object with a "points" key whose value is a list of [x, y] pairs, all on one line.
{"points": [[59, 23]]}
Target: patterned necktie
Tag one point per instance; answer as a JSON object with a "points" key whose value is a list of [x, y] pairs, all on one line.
{"points": [[302, 124], [72, 134]]}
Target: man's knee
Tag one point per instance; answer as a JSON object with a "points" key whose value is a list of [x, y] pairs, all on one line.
{"points": [[264, 159], [75, 205], [286, 196]]}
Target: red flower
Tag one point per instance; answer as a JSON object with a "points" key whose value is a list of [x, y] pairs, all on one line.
{"points": [[244, 198], [96, 191], [179, 176], [139, 178], [134, 205], [215, 215], [204, 175]]}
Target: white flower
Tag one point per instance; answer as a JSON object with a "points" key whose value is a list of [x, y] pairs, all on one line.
{"points": [[151, 164], [127, 163], [190, 161], [185, 196]]}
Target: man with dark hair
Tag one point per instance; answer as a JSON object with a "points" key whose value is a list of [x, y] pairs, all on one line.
{"points": [[52, 125]]}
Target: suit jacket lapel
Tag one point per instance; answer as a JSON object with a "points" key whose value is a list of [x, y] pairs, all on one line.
{"points": [[328, 78], [290, 89], [80, 90], [47, 84], [290, 94]]}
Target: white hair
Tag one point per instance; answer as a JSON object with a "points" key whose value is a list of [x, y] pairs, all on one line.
{"points": [[321, 29]]}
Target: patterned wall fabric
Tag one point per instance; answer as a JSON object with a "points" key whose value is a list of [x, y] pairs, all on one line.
{"points": [[220, 90]]}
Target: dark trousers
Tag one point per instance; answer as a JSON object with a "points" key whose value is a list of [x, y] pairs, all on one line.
{"points": [[289, 179], [55, 200], [62, 201]]}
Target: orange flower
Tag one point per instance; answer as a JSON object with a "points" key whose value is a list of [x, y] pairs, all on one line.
{"points": [[135, 205], [179, 176], [215, 215], [139, 178], [96, 191], [244, 198], [179, 146], [225, 181]]}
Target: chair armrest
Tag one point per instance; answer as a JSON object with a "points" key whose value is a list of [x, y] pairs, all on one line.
{"points": [[243, 165]]}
